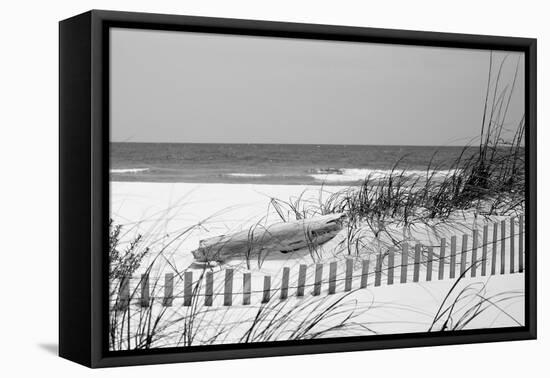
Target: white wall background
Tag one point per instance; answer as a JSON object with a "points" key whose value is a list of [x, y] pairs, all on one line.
{"points": [[29, 188]]}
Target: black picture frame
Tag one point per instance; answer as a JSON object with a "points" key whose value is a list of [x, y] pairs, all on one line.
{"points": [[84, 185]]}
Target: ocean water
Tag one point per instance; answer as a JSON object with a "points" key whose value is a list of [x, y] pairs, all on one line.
{"points": [[273, 163]]}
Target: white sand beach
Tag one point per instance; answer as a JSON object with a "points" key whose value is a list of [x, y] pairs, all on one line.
{"points": [[161, 211], [174, 217]]}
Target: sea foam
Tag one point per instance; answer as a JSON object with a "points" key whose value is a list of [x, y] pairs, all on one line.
{"points": [[359, 174], [129, 170]]}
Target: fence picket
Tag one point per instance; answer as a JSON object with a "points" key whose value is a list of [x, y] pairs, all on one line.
{"points": [[416, 270], [332, 277], [168, 289], [512, 245], [318, 279], [267, 289], [520, 241], [284, 282], [473, 272], [209, 289], [123, 294], [404, 262], [301, 280], [441, 269], [247, 287], [187, 288], [349, 274], [463, 254], [502, 247], [452, 266], [484, 250], [378, 270], [228, 288], [391, 262], [145, 296], [494, 250], [429, 265], [364, 273]]}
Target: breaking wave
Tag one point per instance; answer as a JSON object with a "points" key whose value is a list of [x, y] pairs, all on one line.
{"points": [[359, 174], [247, 174], [129, 170]]}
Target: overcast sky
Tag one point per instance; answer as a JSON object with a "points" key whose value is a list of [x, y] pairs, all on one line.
{"points": [[210, 88]]}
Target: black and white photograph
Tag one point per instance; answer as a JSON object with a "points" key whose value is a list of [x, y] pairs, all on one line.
{"points": [[269, 189], [274, 189]]}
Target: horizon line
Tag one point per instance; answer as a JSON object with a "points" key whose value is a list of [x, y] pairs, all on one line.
{"points": [[307, 144]]}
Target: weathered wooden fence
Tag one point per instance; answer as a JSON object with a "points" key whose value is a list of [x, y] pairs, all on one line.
{"points": [[498, 242]]}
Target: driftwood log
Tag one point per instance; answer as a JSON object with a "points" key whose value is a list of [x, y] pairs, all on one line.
{"points": [[281, 237]]}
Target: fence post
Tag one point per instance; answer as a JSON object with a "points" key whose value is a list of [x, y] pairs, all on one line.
{"points": [[503, 247], [284, 282], [512, 244], [520, 239], [209, 289], [473, 272], [429, 265], [301, 281], [168, 289], [228, 288], [145, 299], [378, 270], [349, 274], [332, 278], [123, 294], [416, 266], [247, 287], [364, 273], [404, 262], [391, 263], [494, 249], [463, 253], [267, 289], [484, 250], [187, 288], [452, 266]]}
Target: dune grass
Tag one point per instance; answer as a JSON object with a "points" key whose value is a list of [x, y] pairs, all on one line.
{"points": [[462, 306], [134, 325]]}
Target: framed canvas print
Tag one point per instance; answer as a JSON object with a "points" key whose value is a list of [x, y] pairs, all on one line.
{"points": [[234, 188]]}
